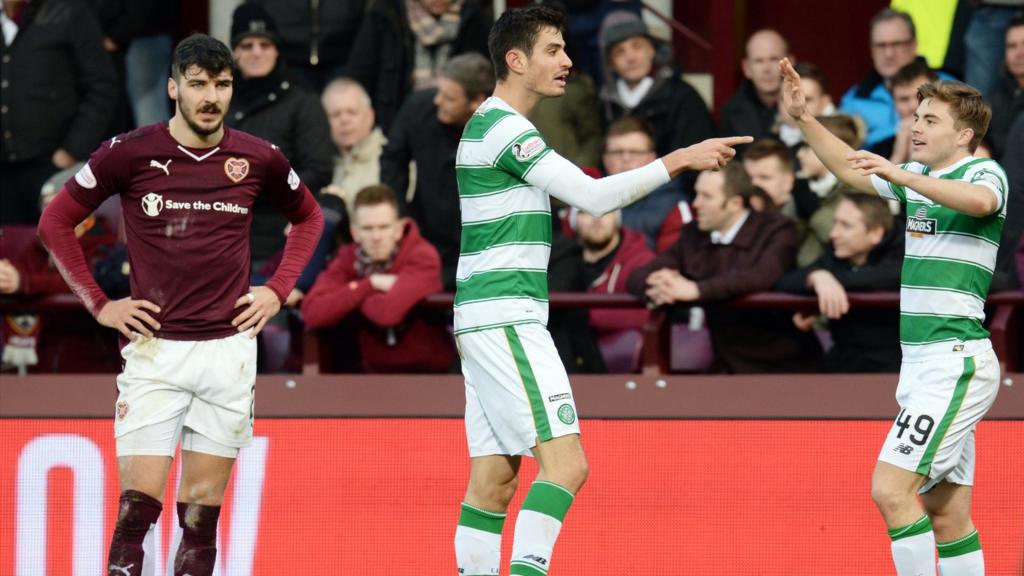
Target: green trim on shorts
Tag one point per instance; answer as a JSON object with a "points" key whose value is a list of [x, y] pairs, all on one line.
{"points": [[540, 415], [925, 465], [965, 545]]}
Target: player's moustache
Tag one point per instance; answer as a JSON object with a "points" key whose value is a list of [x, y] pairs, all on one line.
{"points": [[212, 109]]}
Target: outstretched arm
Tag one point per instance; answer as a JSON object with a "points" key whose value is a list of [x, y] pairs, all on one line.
{"points": [[563, 180], [832, 151], [973, 199]]}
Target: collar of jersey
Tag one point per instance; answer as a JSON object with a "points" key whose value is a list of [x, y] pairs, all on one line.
{"points": [[951, 167]]}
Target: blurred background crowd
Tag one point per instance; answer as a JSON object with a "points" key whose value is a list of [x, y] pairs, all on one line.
{"points": [[368, 98]]}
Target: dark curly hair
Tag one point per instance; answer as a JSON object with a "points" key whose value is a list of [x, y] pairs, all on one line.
{"points": [[517, 29], [204, 51]]}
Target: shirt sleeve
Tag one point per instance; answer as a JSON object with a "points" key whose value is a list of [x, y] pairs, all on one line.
{"points": [[891, 191], [107, 172], [294, 200], [529, 158], [57, 232], [281, 184], [990, 175]]}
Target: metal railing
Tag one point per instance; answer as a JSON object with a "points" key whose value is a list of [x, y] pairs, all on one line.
{"points": [[656, 333], [656, 353]]}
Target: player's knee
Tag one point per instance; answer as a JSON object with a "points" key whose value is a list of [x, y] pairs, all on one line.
{"points": [[887, 497], [495, 495], [504, 492], [571, 474], [582, 471], [204, 492], [949, 523]]}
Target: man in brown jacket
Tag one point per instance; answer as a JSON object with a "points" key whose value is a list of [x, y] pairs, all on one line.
{"points": [[729, 251]]}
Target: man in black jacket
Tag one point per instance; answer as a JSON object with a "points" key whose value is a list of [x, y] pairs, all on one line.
{"points": [[402, 46], [315, 36], [753, 109], [427, 131], [657, 94], [56, 102], [269, 104], [865, 254]]}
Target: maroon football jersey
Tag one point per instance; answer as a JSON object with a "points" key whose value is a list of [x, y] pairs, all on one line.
{"points": [[187, 214]]}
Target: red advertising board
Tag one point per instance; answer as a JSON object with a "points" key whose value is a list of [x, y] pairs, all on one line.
{"points": [[380, 496]]}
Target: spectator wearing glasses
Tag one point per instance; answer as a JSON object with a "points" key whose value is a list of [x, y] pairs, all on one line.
{"points": [[629, 144], [893, 44]]}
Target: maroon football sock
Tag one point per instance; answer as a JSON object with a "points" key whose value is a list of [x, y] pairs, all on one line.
{"points": [[198, 549], [136, 513]]}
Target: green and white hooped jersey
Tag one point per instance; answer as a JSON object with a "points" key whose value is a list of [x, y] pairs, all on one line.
{"points": [[506, 222], [949, 261]]}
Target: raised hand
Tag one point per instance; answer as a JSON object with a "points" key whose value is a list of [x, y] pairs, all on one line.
{"points": [[261, 304], [794, 102], [711, 154], [866, 164], [129, 317]]}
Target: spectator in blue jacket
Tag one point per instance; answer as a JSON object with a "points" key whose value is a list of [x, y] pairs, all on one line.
{"points": [[893, 46]]}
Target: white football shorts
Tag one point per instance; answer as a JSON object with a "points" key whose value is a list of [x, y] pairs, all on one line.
{"points": [[517, 391], [201, 392], [941, 401]]}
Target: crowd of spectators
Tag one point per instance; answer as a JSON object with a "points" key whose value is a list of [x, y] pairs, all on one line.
{"points": [[368, 102]]}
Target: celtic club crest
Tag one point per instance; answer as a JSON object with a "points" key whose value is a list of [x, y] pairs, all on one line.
{"points": [[236, 168]]}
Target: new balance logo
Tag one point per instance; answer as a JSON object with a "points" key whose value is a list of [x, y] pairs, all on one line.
{"points": [[113, 141], [121, 569], [164, 166], [536, 559], [903, 449]]}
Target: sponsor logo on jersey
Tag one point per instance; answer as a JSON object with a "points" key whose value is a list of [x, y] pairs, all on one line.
{"points": [[566, 414], [293, 179], [557, 397], [236, 169], [165, 166], [904, 449], [539, 560], [85, 177], [958, 348], [153, 204], [989, 177], [113, 141], [920, 227], [528, 149]]}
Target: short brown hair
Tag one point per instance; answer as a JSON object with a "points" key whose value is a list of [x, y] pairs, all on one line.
{"points": [[629, 125], [843, 127], [374, 195], [767, 147], [737, 182], [874, 209], [473, 72], [811, 71], [966, 105], [917, 69]]}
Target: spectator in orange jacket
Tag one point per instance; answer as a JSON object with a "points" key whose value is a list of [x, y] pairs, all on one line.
{"points": [[377, 281]]}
